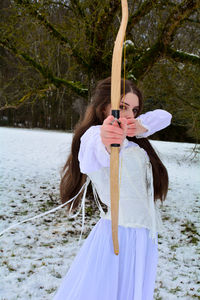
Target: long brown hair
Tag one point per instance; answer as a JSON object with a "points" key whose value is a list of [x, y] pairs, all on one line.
{"points": [[71, 177]]}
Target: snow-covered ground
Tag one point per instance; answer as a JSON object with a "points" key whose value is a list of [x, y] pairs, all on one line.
{"points": [[37, 254]]}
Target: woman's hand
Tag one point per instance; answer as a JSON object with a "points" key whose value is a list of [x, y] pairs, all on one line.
{"points": [[112, 133], [134, 127]]}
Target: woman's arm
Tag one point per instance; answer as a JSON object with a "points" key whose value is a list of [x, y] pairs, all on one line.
{"points": [[154, 121], [95, 144], [92, 153]]}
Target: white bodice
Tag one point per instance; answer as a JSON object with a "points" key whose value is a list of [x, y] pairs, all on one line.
{"points": [[136, 202]]}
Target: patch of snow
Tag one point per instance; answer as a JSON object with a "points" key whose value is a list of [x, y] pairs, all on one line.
{"points": [[129, 43], [190, 54]]}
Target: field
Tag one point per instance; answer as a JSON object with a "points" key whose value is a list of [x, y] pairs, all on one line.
{"points": [[35, 255]]}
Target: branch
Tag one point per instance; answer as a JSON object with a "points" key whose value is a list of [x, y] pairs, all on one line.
{"points": [[20, 102], [52, 30], [59, 3], [144, 63], [17, 103], [184, 100], [97, 26], [76, 87], [76, 4], [178, 15], [101, 27], [143, 10], [193, 21], [181, 56], [10, 106]]}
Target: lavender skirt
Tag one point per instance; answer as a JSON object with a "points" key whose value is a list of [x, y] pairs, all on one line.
{"points": [[98, 274]]}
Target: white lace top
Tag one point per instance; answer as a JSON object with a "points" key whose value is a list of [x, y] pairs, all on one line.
{"points": [[136, 203]]}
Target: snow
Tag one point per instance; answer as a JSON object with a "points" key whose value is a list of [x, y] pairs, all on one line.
{"points": [[37, 254], [190, 54], [129, 43]]}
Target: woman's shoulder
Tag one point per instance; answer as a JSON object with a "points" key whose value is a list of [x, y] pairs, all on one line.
{"points": [[92, 153], [91, 132]]}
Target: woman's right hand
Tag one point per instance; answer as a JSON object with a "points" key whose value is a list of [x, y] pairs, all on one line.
{"points": [[112, 133]]}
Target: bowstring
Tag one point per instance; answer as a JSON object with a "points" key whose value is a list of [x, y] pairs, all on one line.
{"points": [[123, 101]]}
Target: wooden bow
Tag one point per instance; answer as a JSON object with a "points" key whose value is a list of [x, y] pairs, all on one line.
{"points": [[115, 101]]}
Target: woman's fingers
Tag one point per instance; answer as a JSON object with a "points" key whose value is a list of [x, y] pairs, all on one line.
{"points": [[131, 130], [108, 120], [112, 132], [114, 126], [131, 127], [111, 129], [112, 140], [135, 128], [123, 123]]}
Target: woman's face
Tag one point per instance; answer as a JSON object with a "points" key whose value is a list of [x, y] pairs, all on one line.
{"points": [[129, 106]]}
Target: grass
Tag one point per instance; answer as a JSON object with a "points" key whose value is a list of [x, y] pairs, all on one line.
{"points": [[20, 279], [176, 289], [50, 291], [190, 230], [24, 213], [165, 218], [173, 247], [10, 268], [30, 272]]}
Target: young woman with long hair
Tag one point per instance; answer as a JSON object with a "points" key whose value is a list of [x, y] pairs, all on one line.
{"points": [[97, 273]]}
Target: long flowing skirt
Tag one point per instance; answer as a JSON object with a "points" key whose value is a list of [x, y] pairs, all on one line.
{"points": [[98, 274]]}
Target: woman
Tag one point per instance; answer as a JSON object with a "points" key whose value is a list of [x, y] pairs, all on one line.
{"points": [[97, 273]]}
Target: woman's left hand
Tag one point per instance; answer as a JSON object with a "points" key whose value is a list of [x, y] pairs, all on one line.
{"points": [[134, 127]]}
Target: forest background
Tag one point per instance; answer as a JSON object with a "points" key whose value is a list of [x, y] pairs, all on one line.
{"points": [[53, 52]]}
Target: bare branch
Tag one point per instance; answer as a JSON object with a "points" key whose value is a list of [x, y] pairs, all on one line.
{"points": [[53, 31], [144, 63], [192, 21], [143, 10], [161, 47], [181, 56], [77, 7], [180, 13], [76, 87]]}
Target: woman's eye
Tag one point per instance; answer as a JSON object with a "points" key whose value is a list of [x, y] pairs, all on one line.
{"points": [[122, 107], [135, 111]]}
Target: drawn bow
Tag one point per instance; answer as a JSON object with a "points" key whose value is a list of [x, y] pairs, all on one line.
{"points": [[115, 101]]}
